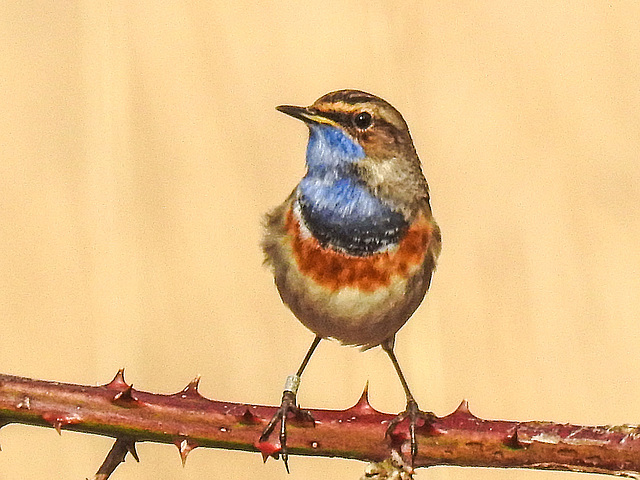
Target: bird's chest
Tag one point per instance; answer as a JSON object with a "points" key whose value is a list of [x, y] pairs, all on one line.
{"points": [[334, 269]]}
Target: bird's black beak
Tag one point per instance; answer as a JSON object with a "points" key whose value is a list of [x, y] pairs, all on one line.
{"points": [[306, 114]]}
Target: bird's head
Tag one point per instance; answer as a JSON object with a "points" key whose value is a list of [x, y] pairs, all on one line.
{"points": [[354, 131], [371, 124]]}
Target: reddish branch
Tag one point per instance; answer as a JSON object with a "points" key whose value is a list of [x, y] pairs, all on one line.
{"points": [[188, 420]]}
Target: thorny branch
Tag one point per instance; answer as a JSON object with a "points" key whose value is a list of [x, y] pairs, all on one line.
{"points": [[189, 420]]}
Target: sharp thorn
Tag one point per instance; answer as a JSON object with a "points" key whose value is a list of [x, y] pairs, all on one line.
{"points": [[126, 398], [184, 448], [365, 392], [58, 420], [463, 407], [267, 449], [191, 390], [248, 418], [512, 441], [131, 448], [195, 383], [118, 382], [362, 406]]}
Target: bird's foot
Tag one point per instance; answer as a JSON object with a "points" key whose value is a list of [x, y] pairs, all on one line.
{"points": [[417, 419], [287, 407]]}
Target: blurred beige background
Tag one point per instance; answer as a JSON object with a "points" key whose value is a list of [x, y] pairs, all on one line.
{"points": [[139, 148]]}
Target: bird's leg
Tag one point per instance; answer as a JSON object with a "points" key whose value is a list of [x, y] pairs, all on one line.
{"points": [[412, 412], [288, 405]]}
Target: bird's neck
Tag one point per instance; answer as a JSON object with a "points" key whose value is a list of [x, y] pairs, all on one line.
{"points": [[336, 205]]}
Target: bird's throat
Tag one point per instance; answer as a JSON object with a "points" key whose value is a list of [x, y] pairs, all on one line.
{"points": [[331, 149], [335, 204]]}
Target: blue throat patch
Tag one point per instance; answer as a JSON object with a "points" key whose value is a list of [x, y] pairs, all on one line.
{"points": [[336, 205]]}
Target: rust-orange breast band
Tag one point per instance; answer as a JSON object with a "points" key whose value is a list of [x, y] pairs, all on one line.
{"points": [[334, 269]]}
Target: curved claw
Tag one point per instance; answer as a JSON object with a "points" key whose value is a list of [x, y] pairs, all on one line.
{"points": [[287, 406], [413, 413]]}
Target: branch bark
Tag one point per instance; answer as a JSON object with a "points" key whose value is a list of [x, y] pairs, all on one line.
{"points": [[189, 420]]}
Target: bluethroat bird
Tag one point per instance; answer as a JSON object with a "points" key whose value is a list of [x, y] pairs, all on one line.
{"points": [[354, 246]]}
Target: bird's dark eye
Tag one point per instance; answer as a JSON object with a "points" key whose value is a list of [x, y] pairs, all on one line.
{"points": [[362, 120]]}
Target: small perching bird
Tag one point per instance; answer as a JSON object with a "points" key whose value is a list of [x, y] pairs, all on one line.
{"points": [[354, 246]]}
